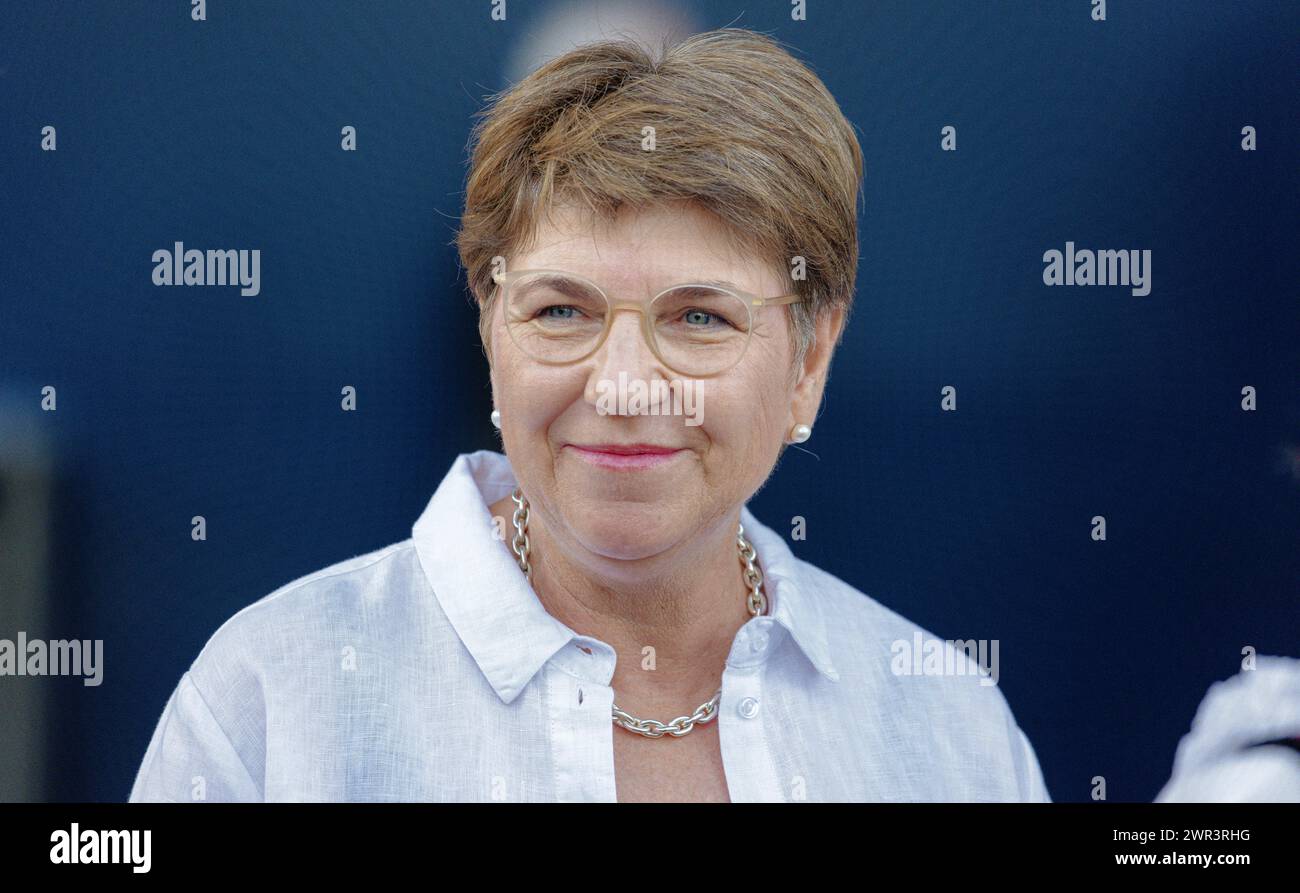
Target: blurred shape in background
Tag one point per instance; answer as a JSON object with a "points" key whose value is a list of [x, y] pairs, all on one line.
{"points": [[1244, 746], [565, 26], [26, 487]]}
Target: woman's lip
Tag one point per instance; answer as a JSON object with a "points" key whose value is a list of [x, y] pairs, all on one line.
{"points": [[625, 449], [629, 457]]}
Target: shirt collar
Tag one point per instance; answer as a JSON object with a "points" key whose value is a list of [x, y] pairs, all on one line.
{"points": [[494, 610]]}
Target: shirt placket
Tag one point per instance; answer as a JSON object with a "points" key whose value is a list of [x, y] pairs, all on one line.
{"points": [[742, 730], [580, 704]]}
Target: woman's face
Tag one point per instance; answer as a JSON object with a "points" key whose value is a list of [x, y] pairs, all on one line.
{"points": [[551, 416]]}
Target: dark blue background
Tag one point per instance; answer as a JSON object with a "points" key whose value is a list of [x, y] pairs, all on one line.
{"points": [[1072, 402]]}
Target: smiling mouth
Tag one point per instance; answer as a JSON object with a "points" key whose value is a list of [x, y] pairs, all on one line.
{"points": [[626, 457]]}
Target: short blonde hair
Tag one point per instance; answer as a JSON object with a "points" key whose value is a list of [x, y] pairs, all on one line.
{"points": [[742, 129]]}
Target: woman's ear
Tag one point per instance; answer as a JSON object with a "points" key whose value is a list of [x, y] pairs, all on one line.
{"points": [[811, 381], [485, 329]]}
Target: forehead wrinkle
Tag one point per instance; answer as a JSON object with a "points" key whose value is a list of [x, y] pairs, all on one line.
{"points": [[713, 253]]}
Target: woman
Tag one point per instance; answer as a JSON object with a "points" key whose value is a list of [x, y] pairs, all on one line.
{"points": [[595, 615]]}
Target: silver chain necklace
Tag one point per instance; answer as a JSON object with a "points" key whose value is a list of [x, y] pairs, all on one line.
{"points": [[755, 601]]}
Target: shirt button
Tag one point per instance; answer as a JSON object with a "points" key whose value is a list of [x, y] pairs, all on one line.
{"points": [[758, 643], [748, 708]]}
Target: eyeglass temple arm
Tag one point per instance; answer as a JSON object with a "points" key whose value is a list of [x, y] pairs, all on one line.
{"points": [[775, 302]]}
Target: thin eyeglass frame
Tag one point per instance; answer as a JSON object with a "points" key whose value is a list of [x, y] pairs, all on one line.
{"points": [[748, 299]]}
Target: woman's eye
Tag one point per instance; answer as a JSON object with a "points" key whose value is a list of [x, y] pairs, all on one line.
{"points": [[702, 319], [561, 311]]}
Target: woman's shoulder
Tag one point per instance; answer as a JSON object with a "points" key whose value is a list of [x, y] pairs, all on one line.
{"points": [[293, 657], [852, 611], [312, 617], [927, 690], [916, 666]]}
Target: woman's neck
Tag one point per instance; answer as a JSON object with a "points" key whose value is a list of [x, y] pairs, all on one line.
{"points": [[686, 604]]}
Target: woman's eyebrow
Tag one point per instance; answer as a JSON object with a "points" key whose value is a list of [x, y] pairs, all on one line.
{"points": [[560, 283]]}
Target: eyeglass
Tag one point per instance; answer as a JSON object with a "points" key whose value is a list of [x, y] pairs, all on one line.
{"points": [[696, 329]]}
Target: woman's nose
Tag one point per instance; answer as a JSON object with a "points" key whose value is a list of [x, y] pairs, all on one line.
{"points": [[625, 351]]}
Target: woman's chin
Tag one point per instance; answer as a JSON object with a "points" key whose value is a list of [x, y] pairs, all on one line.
{"points": [[628, 537]]}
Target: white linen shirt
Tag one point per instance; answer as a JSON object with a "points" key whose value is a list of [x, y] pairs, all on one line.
{"points": [[429, 671]]}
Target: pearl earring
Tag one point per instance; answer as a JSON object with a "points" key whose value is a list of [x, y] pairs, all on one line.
{"points": [[496, 419], [800, 433]]}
